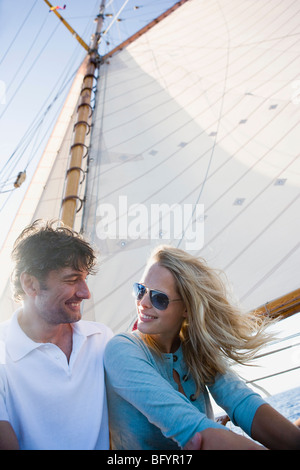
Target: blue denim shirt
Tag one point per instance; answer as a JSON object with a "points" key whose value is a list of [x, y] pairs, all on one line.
{"points": [[146, 410]]}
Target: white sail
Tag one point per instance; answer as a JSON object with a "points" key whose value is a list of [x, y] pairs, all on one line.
{"points": [[202, 109]]}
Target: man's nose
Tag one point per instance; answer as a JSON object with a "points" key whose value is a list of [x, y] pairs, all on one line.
{"points": [[83, 291]]}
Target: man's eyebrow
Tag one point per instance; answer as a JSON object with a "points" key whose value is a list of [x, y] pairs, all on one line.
{"points": [[74, 274]]}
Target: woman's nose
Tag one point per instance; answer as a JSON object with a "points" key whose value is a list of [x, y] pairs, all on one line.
{"points": [[145, 301]]}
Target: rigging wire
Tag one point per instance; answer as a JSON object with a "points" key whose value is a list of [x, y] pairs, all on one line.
{"points": [[6, 201], [30, 67], [55, 86], [12, 190], [26, 54], [5, 167], [116, 17], [143, 14], [35, 127], [18, 32]]}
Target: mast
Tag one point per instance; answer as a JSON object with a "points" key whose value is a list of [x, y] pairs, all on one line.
{"points": [[81, 128]]}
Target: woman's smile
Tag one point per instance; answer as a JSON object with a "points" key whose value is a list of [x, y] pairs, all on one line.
{"points": [[146, 317]]}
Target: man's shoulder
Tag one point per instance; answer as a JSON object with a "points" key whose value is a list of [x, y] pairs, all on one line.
{"points": [[3, 337], [4, 329]]}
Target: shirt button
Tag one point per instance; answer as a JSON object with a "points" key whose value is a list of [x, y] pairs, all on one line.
{"points": [[192, 397], [175, 358], [185, 378]]}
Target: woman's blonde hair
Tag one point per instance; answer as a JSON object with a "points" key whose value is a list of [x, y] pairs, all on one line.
{"points": [[215, 331]]}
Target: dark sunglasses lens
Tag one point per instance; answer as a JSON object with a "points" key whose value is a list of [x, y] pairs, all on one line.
{"points": [[159, 300], [139, 290]]}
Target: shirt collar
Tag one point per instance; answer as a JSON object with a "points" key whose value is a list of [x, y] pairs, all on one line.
{"points": [[178, 354], [86, 328], [18, 344]]}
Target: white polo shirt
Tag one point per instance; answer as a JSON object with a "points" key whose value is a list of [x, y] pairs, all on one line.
{"points": [[50, 403]]}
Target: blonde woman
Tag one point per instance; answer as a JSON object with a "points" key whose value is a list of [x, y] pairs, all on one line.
{"points": [[187, 334]]}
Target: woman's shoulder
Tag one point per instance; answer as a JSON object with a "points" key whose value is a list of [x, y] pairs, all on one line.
{"points": [[125, 338], [129, 346], [126, 341]]}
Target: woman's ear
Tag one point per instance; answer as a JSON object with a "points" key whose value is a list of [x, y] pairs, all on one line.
{"points": [[29, 283]]}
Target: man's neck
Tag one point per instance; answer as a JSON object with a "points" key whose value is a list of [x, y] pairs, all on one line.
{"points": [[40, 331]]}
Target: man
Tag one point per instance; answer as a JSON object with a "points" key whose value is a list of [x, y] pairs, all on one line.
{"points": [[52, 393]]}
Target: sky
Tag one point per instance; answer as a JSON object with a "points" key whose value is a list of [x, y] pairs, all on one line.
{"points": [[38, 58]]}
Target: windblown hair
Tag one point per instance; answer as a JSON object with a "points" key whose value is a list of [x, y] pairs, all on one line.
{"points": [[215, 332], [43, 247]]}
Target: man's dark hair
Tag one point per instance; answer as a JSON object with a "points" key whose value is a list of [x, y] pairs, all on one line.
{"points": [[43, 247]]}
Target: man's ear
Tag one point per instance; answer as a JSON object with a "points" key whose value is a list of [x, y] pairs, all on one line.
{"points": [[29, 283]]}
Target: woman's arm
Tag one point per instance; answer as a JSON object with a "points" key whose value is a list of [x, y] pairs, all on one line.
{"points": [[8, 438], [274, 431], [237, 399]]}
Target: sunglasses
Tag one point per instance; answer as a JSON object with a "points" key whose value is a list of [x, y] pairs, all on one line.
{"points": [[158, 299]]}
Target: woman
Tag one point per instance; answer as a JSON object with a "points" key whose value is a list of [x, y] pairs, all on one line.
{"points": [[157, 377]]}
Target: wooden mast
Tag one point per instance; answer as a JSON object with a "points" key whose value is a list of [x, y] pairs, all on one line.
{"points": [[81, 128]]}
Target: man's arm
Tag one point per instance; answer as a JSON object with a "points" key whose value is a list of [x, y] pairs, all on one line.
{"points": [[220, 439], [274, 431], [269, 428], [8, 438]]}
